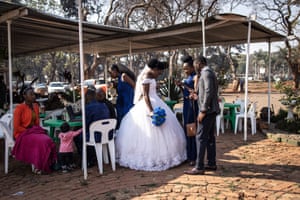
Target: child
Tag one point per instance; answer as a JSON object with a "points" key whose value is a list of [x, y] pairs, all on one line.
{"points": [[65, 154]]}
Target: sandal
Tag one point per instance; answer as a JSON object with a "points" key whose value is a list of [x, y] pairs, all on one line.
{"points": [[37, 171]]}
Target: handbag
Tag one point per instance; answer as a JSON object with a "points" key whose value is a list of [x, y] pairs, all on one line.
{"points": [[191, 128]]}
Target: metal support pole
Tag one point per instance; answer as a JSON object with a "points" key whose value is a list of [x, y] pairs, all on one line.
{"points": [[246, 80], [10, 66], [84, 164], [269, 83], [203, 36]]}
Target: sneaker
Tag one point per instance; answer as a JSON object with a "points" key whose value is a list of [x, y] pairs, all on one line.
{"points": [[72, 166], [64, 169]]}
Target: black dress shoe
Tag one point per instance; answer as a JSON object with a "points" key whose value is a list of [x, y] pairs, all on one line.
{"points": [[211, 168], [194, 171]]}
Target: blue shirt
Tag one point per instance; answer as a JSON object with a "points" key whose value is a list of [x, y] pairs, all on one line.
{"points": [[95, 111]]}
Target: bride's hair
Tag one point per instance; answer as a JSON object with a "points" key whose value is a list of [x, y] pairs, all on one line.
{"points": [[155, 63]]}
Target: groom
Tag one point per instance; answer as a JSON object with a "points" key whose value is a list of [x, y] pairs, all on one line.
{"points": [[208, 109]]}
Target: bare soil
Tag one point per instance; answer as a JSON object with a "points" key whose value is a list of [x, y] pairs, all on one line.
{"points": [[257, 92]]}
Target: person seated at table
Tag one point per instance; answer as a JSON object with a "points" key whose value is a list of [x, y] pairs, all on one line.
{"points": [[32, 145], [101, 97], [65, 154], [94, 111]]}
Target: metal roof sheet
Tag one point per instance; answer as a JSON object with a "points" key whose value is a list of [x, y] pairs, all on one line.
{"points": [[34, 32]]}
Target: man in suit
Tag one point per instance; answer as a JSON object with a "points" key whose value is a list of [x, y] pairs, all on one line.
{"points": [[208, 109]]}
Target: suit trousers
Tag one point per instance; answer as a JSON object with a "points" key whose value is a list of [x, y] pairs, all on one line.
{"points": [[206, 141]]}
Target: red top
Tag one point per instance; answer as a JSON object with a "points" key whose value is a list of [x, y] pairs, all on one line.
{"points": [[25, 117]]}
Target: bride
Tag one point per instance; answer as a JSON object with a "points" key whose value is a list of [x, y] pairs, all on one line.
{"points": [[140, 144]]}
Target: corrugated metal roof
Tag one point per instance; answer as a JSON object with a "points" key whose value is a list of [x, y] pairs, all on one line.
{"points": [[35, 32], [38, 32]]}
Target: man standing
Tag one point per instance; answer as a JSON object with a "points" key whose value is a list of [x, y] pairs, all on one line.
{"points": [[208, 110]]}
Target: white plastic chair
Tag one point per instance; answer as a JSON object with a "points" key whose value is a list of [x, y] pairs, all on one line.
{"points": [[240, 110], [7, 118], [220, 119], [179, 110], [54, 114], [104, 127], [251, 114], [9, 143]]}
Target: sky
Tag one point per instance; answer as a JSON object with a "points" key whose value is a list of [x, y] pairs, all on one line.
{"points": [[245, 11]]}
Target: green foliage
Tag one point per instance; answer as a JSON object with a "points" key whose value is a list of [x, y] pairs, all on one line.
{"points": [[289, 126], [222, 82], [175, 91], [291, 95], [281, 115]]}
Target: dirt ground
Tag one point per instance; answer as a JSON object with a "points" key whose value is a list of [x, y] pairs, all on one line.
{"points": [[258, 168], [257, 92]]}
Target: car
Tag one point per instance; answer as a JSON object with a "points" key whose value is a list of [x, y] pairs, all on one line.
{"points": [[98, 83], [41, 89], [66, 85], [89, 82], [56, 87]]}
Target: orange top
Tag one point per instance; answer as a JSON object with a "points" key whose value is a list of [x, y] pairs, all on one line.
{"points": [[24, 117]]}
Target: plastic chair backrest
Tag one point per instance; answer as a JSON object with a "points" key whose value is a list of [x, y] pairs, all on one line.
{"points": [[54, 114], [221, 105], [222, 99], [242, 105], [104, 127], [7, 134], [7, 118], [252, 109]]}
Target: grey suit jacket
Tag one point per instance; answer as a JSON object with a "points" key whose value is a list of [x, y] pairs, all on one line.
{"points": [[208, 92]]}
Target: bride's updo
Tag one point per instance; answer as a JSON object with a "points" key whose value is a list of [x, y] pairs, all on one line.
{"points": [[155, 63]]}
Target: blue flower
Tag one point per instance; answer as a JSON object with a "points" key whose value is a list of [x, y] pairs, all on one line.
{"points": [[159, 116]]}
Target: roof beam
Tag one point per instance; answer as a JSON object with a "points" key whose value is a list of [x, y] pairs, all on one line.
{"points": [[14, 14], [166, 33]]}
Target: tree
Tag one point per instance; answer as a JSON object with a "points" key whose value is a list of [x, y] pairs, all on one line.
{"points": [[285, 16]]}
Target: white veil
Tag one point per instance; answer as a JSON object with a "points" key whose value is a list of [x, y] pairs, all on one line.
{"points": [[138, 86]]}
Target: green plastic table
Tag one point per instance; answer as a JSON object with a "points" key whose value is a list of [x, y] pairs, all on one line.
{"points": [[55, 123], [170, 103], [42, 115], [232, 114]]}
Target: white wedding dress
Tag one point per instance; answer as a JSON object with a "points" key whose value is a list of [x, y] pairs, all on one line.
{"points": [[140, 145]]}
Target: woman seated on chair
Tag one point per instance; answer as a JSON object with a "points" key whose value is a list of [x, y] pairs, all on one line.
{"points": [[33, 145]]}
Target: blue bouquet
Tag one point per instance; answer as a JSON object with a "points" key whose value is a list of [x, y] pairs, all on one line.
{"points": [[159, 116]]}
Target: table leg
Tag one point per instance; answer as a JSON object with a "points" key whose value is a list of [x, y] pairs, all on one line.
{"points": [[51, 134], [232, 118]]}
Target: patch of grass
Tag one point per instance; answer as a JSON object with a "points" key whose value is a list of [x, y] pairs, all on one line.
{"points": [[232, 186]]}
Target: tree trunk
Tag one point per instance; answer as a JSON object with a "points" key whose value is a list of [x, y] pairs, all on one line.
{"points": [[54, 66]]}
